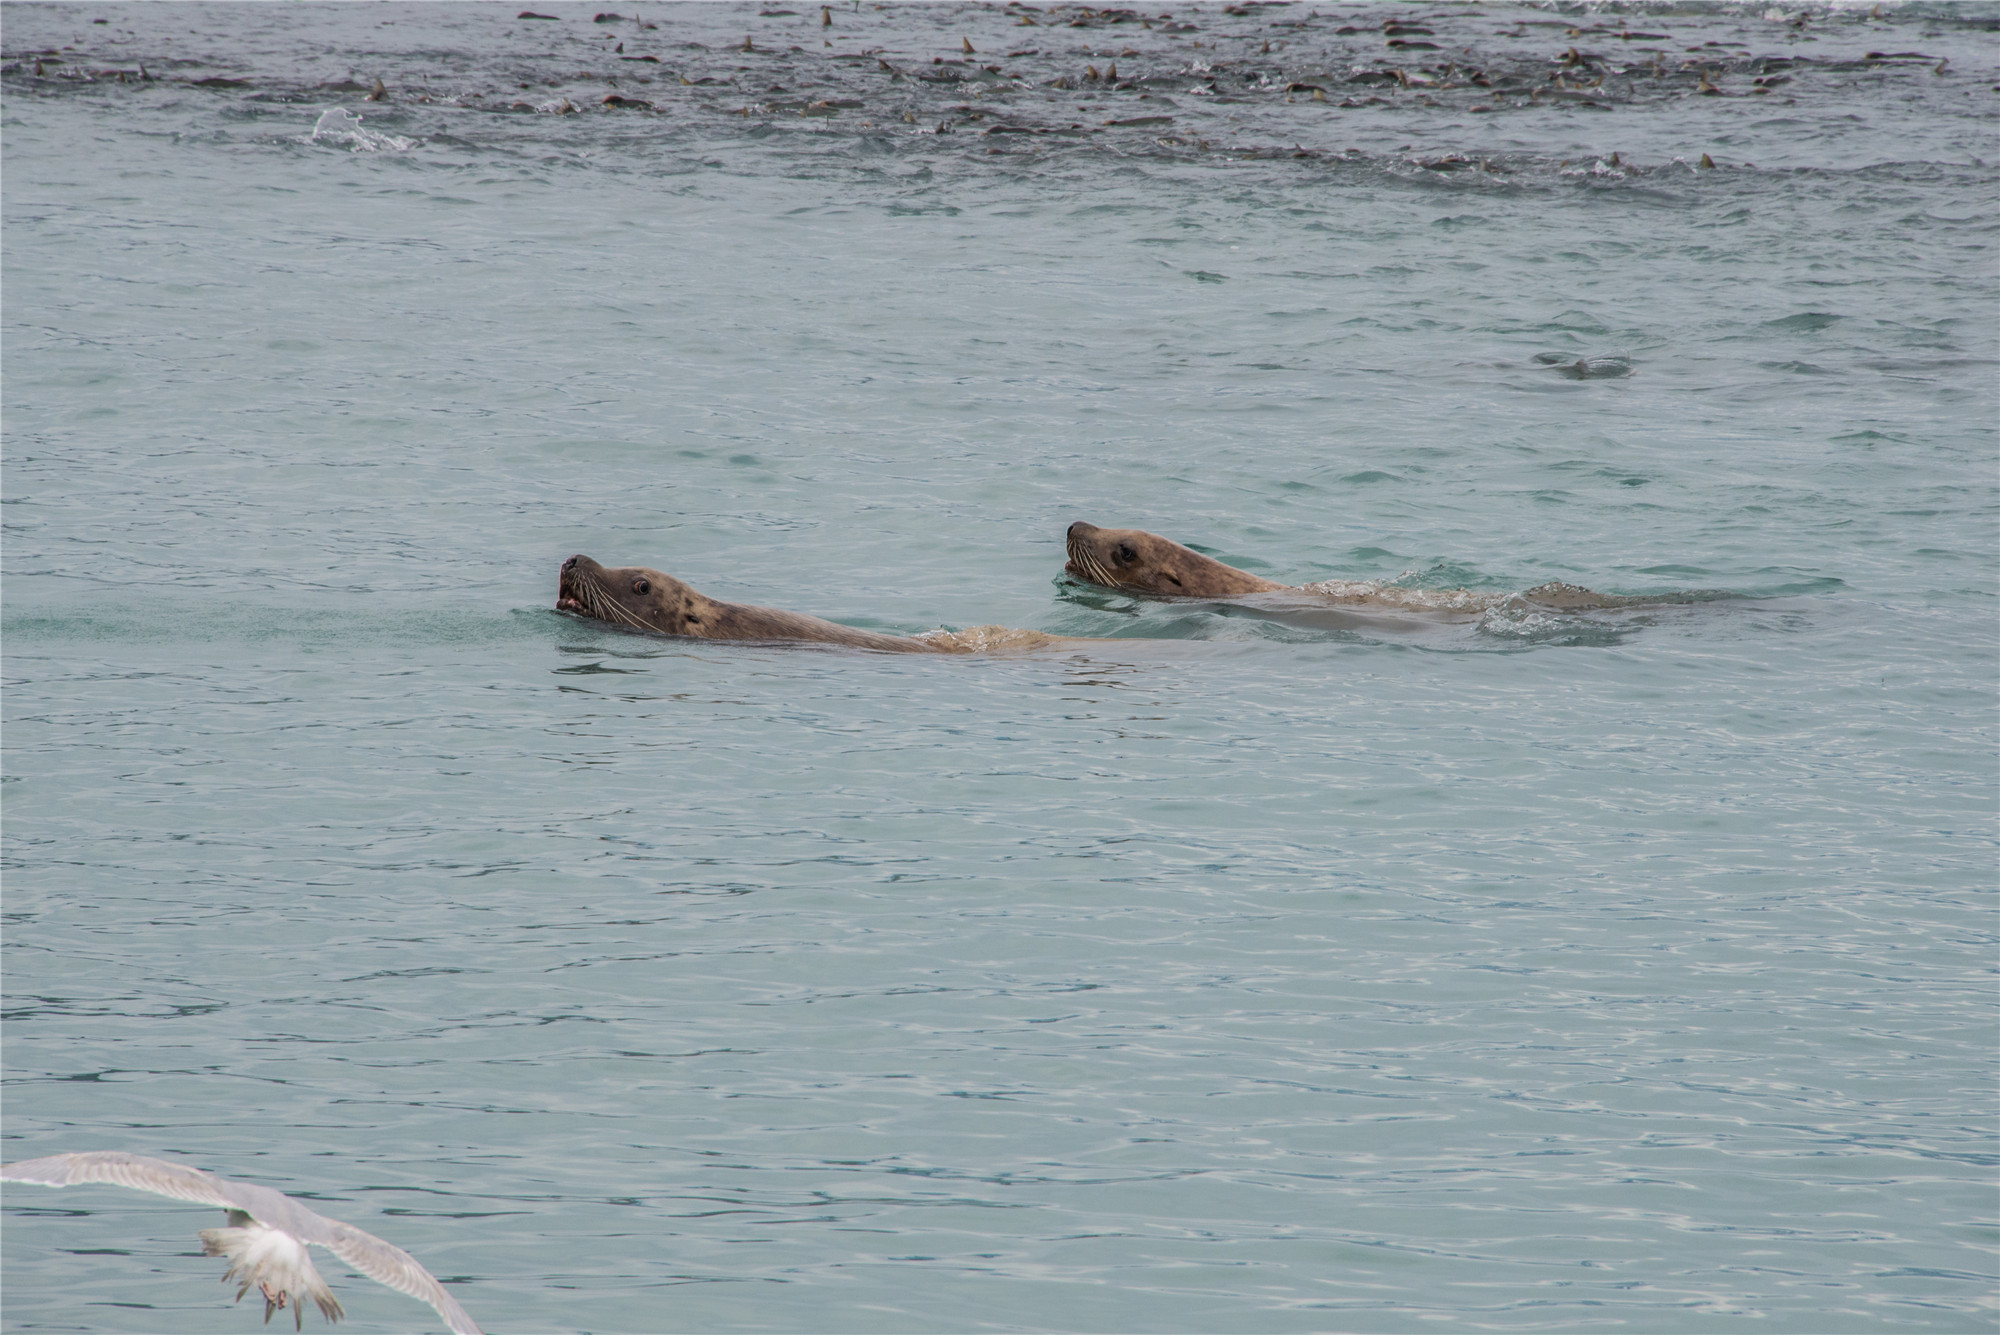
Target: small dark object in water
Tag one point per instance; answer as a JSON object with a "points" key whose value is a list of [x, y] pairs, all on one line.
{"points": [[1585, 368], [376, 94], [615, 100], [531, 14], [609, 18]]}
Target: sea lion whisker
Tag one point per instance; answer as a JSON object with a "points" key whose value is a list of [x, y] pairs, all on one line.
{"points": [[1094, 569], [594, 600], [590, 596], [1086, 563], [585, 593], [600, 602]]}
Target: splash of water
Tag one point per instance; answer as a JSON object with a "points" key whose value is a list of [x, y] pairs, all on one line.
{"points": [[339, 126]]}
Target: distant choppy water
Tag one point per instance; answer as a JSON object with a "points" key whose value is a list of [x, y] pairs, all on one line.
{"points": [[1579, 973]]}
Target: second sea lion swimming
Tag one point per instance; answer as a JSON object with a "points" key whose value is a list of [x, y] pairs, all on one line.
{"points": [[1142, 562], [642, 599], [1135, 561]]}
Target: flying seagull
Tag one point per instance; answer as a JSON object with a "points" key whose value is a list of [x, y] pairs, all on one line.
{"points": [[267, 1234]]}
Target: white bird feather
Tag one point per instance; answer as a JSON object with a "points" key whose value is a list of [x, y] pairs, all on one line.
{"points": [[267, 1237]]}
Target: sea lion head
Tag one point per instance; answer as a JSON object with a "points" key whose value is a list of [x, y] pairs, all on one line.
{"points": [[1131, 558], [632, 596]]}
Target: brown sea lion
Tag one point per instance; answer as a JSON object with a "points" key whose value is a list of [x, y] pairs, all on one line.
{"points": [[646, 600], [1135, 561], [1131, 558]]}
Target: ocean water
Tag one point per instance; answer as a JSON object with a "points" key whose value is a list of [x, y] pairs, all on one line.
{"points": [[1231, 969]]}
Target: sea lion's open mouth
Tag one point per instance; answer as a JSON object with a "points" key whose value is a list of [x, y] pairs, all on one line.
{"points": [[573, 591]]}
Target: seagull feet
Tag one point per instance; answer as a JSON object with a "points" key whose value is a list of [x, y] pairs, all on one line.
{"points": [[277, 1302]]}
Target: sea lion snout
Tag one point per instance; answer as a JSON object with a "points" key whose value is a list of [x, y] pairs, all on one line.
{"points": [[1073, 541], [569, 586], [630, 596]]}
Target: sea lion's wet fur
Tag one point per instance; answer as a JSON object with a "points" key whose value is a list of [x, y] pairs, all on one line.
{"points": [[643, 599], [1134, 560]]}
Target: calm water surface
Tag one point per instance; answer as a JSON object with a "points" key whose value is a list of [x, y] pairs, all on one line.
{"points": [[1240, 972]]}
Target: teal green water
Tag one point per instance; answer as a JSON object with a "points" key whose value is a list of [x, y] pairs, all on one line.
{"points": [[1239, 972]]}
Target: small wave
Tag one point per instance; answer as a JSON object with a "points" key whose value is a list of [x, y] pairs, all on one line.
{"points": [[1806, 322], [339, 126], [1525, 625]]}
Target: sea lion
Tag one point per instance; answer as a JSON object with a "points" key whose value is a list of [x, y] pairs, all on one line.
{"points": [[1135, 561], [642, 599], [1131, 558]]}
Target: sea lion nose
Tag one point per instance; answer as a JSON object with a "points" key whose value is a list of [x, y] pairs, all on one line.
{"points": [[1078, 529], [570, 564]]}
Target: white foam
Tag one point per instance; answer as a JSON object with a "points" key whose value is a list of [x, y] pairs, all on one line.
{"points": [[1380, 593], [338, 125]]}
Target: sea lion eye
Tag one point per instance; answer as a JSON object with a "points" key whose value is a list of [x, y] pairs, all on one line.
{"points": [[641, 586], [1125, 555]]}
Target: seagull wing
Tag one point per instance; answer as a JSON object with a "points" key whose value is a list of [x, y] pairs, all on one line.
{"points": [[125, 1170], [389, 1264], [379, 1260]]}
